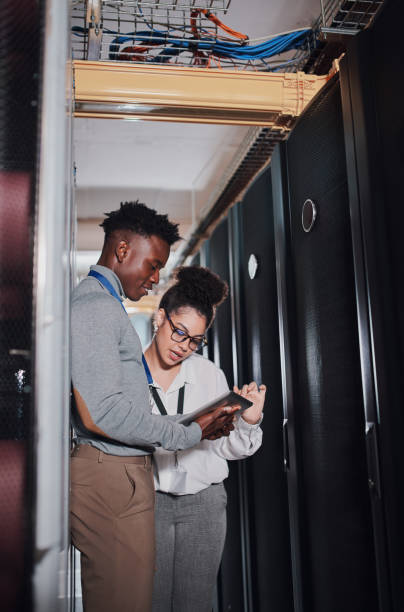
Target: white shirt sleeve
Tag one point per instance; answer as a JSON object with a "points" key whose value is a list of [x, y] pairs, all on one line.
{"points": [[244, 440]]}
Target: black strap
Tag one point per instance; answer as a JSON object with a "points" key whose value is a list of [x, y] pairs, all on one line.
{"points": [[160, 405], [180, 405]]}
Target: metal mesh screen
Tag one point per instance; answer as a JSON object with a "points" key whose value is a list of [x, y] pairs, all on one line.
{"points": [[16, 303], [349, 14], [183, 32], [19, 80], [116, 20], [192, 33]]}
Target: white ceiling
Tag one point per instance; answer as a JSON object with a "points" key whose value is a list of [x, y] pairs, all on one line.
{"points": [[265, 17], [171, 167], [150, 154]]}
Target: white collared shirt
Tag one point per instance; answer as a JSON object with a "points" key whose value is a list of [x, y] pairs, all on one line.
{"points": [[189, 471]]}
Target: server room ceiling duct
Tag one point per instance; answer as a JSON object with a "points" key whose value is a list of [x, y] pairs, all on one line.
{"points": [[122, 90]]}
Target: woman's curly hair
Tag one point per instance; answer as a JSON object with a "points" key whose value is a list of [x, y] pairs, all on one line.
{"points": [[197, 287]]}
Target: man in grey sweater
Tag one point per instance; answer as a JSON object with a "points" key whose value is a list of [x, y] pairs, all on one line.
{"points": [[112, 494]]}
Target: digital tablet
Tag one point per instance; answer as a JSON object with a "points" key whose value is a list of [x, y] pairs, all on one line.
{"points": [[230, 398]]}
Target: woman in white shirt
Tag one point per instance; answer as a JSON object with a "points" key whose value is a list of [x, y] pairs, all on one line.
{"points": [[190, 496]]}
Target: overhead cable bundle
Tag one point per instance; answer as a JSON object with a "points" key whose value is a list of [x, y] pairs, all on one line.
{"points": [[274, 46], [194, 42]]}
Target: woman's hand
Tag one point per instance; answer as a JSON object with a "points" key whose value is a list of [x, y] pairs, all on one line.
{"points": [[256, 395]]}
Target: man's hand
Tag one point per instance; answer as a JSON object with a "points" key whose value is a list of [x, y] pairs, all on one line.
{"points": [[224, 432], [217, 423]]}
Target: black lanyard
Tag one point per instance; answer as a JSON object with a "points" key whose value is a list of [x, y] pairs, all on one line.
{"points": [[160, 405]]}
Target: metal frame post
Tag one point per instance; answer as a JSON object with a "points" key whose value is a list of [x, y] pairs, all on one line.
{"points": [[52, 289]]}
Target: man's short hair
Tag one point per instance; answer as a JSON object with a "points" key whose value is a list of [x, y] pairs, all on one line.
{"points": [[140, 219]]}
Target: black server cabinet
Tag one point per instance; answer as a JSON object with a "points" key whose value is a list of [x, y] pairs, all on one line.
{"points": [[231, 584], [19, 103], [332, 535], [220, 339], [256, 568], [374, 133], [266, 487]]}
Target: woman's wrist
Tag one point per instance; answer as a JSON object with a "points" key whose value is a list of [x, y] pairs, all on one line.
{"points": [[252, 420]]}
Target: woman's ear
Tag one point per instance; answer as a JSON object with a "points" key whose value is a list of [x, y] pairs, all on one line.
{"points": [[160, 317]]}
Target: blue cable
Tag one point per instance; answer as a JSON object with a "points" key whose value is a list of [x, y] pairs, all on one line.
{"points": [[270, 48], [223, 49]]}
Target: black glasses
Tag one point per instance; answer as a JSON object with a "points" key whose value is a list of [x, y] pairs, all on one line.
{"points": [[179, 335]]}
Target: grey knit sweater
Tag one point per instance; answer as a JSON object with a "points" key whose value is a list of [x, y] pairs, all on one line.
{"points": [[108, 372]]}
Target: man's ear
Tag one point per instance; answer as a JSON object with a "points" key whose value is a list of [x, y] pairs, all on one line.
{"points": [[160, 317], [122, 250]]}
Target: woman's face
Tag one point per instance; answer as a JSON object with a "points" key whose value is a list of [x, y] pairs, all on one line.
{"points": [[186, 319]]}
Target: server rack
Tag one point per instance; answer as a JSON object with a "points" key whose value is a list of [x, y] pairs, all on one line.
{"points": [[332, 530], [375, 166], [35, 283]]}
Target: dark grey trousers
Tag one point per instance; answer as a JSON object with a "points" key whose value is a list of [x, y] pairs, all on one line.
{"points": [[190, 534]]}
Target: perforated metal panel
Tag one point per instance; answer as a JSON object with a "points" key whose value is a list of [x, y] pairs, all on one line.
{"points": [[19, 79]]}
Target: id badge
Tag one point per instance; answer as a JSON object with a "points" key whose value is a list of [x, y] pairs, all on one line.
{"points": [[178, 479], [178, 482]]}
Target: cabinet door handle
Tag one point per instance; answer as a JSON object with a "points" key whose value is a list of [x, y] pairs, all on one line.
{"points": [[373, 459], [285, 445]]}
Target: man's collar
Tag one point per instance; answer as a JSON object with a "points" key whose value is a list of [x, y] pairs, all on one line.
{"points": [[112, 277]]}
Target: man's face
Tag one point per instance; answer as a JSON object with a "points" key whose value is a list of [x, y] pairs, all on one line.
{"points": [[140, 268]]}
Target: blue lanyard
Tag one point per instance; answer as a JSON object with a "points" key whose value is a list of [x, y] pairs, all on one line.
{"points": [[108, 286], [105, 282], [147, 370]]}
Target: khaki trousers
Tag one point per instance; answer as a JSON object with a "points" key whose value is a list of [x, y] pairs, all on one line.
{"points": [[112, 525]]}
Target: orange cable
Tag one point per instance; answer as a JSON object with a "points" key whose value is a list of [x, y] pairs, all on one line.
{"points": [[221, 25]]}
